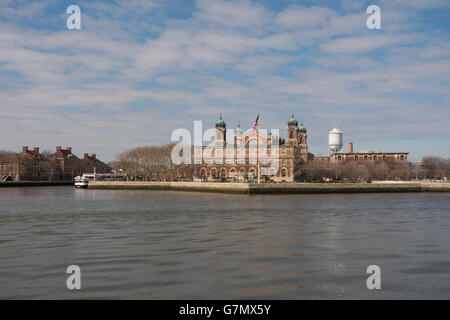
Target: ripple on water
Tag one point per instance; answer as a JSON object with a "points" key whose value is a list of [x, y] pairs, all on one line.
{"points": [[163, 245]]}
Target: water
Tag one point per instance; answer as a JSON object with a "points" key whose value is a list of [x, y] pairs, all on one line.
{"points": [[180, 245]]}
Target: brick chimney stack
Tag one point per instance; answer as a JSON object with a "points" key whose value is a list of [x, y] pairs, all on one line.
{"points": [[58, 149], [69, 149], [36, 150], [350, 147], [94, 156], [86, 156], [24, 149]]}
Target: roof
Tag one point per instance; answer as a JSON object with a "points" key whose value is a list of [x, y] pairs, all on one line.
{"points": [[335, 130]]}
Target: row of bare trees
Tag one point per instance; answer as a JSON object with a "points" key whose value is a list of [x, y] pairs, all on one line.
{"points": [[433, 168], [436, 168], [151, 162]]}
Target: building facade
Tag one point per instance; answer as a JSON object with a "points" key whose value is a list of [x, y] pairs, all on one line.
{"points": [[62, 165], [369, 156], [253, 155]]}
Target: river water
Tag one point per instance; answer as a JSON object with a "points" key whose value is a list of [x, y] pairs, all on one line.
{"points": [[181, 245]]}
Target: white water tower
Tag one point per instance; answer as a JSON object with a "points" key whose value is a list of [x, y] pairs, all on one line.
{"points": [[335, 140]]}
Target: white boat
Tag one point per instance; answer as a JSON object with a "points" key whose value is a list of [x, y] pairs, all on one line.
{"points": [[81, 182]]}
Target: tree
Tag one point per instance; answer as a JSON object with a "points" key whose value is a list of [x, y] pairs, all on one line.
{"points": [[435, 167], [150, 161]]}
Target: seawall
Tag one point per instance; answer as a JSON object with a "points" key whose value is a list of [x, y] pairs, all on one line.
{"points": [[275, 188], [35, 184]]}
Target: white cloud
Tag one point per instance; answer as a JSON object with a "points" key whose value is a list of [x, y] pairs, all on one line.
{"points": [[304, 17], [237, 58]]}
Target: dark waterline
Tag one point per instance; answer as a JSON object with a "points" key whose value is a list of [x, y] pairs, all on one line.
{"points": [[180, 245]]}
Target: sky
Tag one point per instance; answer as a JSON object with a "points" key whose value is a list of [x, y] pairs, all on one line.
{"points": [[137, 70]]}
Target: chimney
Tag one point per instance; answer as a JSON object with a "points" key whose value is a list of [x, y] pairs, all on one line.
{"points": [[69, 149], [350, 147], [24, 149], [94, 156], [58, 149], [36, 150], [86, 156]]}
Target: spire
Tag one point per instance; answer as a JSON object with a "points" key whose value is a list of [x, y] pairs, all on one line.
{"points": [[292, 121], [220, 123], [238, 131], [302, 128]]}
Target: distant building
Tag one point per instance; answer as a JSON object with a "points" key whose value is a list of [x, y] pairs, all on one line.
{"points": [[369, 155], [63, 165], [239, 160]]}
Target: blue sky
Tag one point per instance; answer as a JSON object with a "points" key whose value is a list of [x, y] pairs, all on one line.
{"points": [[137, 70]]}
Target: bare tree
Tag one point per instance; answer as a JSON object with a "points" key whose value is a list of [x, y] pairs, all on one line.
{"points": [[150, 161]]}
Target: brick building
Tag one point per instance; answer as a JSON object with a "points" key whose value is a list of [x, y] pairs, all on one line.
{"points": [[369, 155], [63, 165], [251, 154], [242, 159]]}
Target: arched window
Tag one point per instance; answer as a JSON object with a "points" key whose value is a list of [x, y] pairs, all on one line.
{"points": [[233, 172], [283, 173], [252, 172], [213, 173], [223, 173], [203, 173]]}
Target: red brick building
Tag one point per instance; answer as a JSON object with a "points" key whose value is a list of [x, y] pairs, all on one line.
{"points": [[251, 154], [63, 165]]}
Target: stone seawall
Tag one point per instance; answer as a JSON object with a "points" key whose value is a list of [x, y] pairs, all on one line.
{"points": [[181, 186], [274, 188], [35, 183]]}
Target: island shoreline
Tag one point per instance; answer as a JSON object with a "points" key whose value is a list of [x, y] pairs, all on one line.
{"points": [[273, 188]]}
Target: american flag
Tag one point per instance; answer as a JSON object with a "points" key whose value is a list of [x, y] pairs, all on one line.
{"points": [[256, 122]]}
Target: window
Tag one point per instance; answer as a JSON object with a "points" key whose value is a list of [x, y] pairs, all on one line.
{"points": [[402, 157], [284, 151], [283, 173], [375, 157], [339, 158], [283, 162], [384, 157], [365, 157], [356, 157]]}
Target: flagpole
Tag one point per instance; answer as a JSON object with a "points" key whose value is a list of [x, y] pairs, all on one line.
{"points": [[257, 149]]}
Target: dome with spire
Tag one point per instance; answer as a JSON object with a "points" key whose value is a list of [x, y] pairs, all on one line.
{"points": [[238, 131], [302, 128], [292, 121], [220, 123]]}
